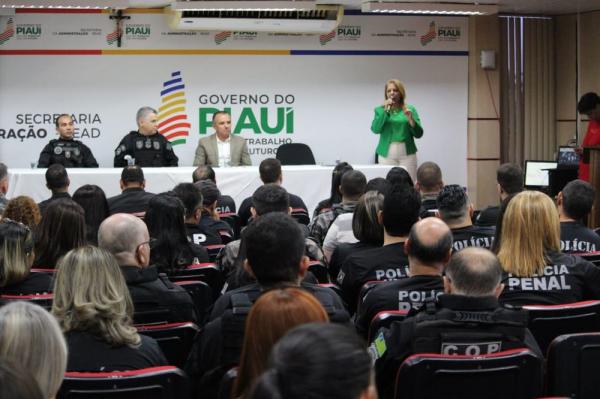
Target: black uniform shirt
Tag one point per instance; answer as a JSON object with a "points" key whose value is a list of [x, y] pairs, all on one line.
{"points": [[34, 283], [69, 153], [44, 204], [341, 252], [131, 200], [473, 236], [576, 238], [245, 214], [386, 263], [202, 235], [154, 150], [225, 204], [566, 279]]}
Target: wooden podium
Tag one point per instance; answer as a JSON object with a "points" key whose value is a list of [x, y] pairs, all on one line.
{"points": [[592, 155]]}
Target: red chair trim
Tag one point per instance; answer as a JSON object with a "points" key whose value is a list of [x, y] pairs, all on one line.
{"points": [[509, 352], [130, 373], [152, 327], [572, 305], [42, 270], [33, 296], [595, 253], [197, 266], [215, 246], [393, 312]]}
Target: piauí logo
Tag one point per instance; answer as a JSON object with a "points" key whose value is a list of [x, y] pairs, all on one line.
{"points": [[113, 36], [327, 37], [173, 121], [429, 36], [222, 36], [8, 32]]}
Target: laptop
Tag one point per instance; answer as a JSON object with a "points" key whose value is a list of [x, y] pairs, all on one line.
{"points": [[536, 173], [567, 158]]}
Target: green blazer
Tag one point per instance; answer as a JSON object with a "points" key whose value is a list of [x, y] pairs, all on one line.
{"points": [[389, 125]]}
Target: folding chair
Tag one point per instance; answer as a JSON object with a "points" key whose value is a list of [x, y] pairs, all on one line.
{"points": [[175, 339]]}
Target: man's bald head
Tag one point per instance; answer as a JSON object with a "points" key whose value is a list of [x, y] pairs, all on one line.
{"points": [[121, 234], [474, 271], [429, 242]]}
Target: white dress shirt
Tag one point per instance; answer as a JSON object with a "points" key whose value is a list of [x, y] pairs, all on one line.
{"points": [[224, 149]]}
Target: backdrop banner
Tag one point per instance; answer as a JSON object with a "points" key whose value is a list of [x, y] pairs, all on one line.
{"points": [[279, 88]]}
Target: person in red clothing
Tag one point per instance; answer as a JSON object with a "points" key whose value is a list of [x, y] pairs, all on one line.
{"points": [[589, 105]]}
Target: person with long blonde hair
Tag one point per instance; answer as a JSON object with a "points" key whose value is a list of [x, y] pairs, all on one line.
{"points": [[397, 124], [94, 309], [529, 251]]}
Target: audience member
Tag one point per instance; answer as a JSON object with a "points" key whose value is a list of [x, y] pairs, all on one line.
{"points": [[23, 209], [270, 172], [272, 316], [93, 201], [266, 199], [575, 202], [456, 210], [317, 361], [467, 319], [510, 181], [133, 198], [16, 258], [429, 246], [94, 309], [353, 184], [400, 211], [62, 228], [498, 237], [429, 184], [210, 219], [399, 176], [57, 181], [335, 197], [191, 197], [366, 228], [172, 250], [275, 257], [31, 338], [225, 204], [3, 187], [378, 184], [126, 237], [536, 272], [17, 382]]}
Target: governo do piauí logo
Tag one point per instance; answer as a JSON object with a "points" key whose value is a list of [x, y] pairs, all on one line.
{"points": [[173, 121], [8, 31], [429, 36], [327, 37], [222, 37], [113, 36]]}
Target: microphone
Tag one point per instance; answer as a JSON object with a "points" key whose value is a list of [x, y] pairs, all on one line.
{"points": [[130, 160], [392, 98]]}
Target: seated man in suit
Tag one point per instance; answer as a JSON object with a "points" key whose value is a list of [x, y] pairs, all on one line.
{"points": [[222, 148]]}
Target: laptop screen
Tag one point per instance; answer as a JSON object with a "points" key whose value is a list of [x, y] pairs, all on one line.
{"points": [[536, 173], [567, 157]]}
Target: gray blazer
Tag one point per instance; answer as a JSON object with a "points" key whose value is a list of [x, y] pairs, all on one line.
{"points": [[207, 152]]}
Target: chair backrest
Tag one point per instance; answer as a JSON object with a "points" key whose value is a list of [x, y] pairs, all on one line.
{"points": [[175, 339], [593, 257], [295, 154], [547, 322], [213, 251], [514, 374], [42, 270], [202, 296], [233, 220], [165, 382], [301, 215], [226, 386], [44, 300], [571, 367], [334, 287], [319, 270], [207, 272], [385, 319], [368, 286]]}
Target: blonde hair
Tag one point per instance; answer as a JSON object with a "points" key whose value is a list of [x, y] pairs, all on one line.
{"points": [[401, 90], [530, 227], [90, 295], [16, 252], [31, 337]]}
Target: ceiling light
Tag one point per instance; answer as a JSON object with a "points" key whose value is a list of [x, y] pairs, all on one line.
{"points": [[258, 5], [429, 8]]}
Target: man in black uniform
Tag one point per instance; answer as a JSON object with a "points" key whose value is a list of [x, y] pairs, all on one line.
{"points": [[133, 198], [466, 320], [401, 207], [455, 209], [191, 196], [65, 150], [126, 237], [57, 181], [225, 204], [145, 147], [429, 247], [510, 181], [574, 203]]}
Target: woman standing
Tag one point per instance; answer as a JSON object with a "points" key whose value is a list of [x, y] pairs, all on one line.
{"points": [[397, 124]]}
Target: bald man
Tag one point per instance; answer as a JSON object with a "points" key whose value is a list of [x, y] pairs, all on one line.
{"points": [[155, 298], [429, 246]]}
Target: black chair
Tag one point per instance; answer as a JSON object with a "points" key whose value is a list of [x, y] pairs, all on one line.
{"points": [[301, 215], [368, 286], [207, 272], [175, 339], [515, 374], [334, 287], [295, 154], [571, 367], [202, 296], [319, 270], [213, 251], [593, 257], [165, 382], [385, 318], [547, 322], [233, 220], [44, 300], [226, 386]]}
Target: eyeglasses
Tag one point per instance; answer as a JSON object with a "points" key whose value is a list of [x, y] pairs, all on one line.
{"points": [[151, 243]]}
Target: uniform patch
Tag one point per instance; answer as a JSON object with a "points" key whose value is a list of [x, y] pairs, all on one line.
{"points": [[139, 144], [148, 144], [378, 347], [156, 145], [169, 147], [58, 150], [471, 349], [76, 152], [68, 154]]}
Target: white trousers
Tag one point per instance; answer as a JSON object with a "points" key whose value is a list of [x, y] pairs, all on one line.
{"points": [[397, 157]]}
